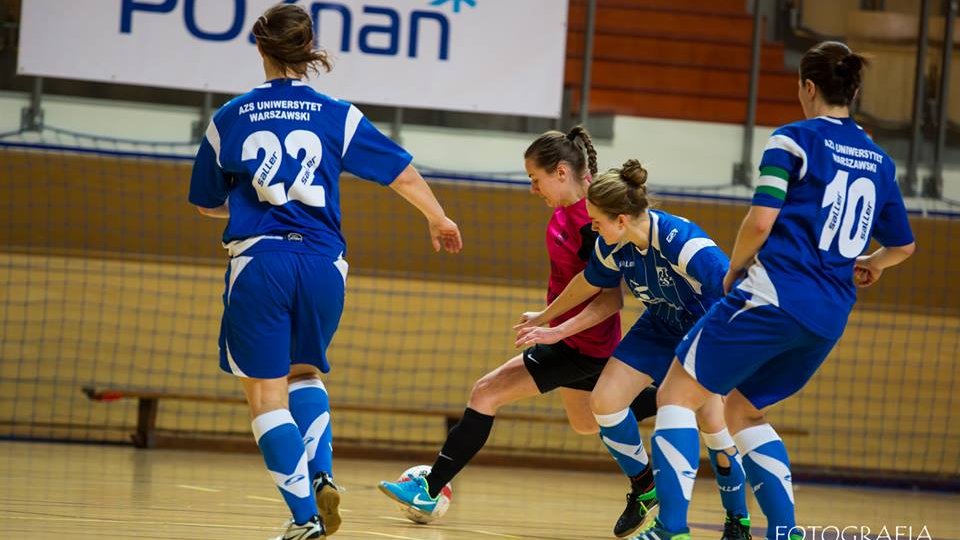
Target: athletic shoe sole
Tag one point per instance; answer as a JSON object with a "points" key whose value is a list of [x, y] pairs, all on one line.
{"points": [[328, 505]]}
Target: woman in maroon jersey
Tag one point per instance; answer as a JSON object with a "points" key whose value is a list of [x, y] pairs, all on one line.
{"points": [[560, 167]]}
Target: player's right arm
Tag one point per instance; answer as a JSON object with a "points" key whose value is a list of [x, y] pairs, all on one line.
{"points": [[575, 293], [443, 231], [608, 302], [371, 155], [867, 269], [209, 185], [601, 272], [893, 232]]}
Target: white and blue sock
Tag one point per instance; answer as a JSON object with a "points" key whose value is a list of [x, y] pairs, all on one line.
{"points": [[310, 407], [620, 434], [731, 479], [282, 448], [676, 456], [768, 470]]}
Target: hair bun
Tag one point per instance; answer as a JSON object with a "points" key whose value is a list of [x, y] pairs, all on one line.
{"points": [[849, 66], [633, 173]]}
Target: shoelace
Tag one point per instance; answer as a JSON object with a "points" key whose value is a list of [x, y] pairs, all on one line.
{"points": [[634, 496]]}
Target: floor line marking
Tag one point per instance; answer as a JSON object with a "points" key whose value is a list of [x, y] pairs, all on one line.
{"points": [[259, 498], [198, 488]]}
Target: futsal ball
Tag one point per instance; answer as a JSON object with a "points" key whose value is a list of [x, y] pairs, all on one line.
{"points": [[417, 516]]}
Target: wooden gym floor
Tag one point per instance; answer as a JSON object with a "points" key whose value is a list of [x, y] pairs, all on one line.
{"points": [[88, 491]]}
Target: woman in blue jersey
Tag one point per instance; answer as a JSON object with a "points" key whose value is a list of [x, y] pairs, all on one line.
{"points": [[270, 163], [676, 270], [825, 188]]}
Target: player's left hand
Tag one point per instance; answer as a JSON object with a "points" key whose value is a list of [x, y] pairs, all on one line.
{"points": [[864, 273], [528, 319], [533, 335], [445, 234], [731, 278]]}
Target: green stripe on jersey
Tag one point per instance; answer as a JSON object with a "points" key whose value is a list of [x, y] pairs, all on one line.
{"points": [[772, 191], [772, 181], [770, 170]]}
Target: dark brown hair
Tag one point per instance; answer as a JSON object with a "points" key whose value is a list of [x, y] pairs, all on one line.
{"points": [[835, 70], [575, 148], [285, 35], [621, 191]]}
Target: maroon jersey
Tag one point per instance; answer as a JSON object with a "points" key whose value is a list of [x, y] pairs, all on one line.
{"points": [[569, 244]]}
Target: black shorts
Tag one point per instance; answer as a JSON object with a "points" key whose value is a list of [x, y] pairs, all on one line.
{"points": [[560, 365]]}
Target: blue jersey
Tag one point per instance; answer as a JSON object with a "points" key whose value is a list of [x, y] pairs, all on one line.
{"points": [[277, 153], [835, 189], [678, 277]]}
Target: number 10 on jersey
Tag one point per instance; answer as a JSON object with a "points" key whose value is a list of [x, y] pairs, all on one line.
{"points": [[853, 226]]}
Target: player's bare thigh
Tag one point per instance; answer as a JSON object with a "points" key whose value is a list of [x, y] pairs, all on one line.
{"points": [[577, 405], [505, 384], [619, 384]]}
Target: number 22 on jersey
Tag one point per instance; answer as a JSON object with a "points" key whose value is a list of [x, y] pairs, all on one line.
{"points": [[843, 217], [297, 141]]}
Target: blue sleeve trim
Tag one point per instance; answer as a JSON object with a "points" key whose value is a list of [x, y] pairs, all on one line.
{"points": [[767, 200]]}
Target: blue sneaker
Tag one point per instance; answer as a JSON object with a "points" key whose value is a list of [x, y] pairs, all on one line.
{"points": [[414, 493], [656, 532]]}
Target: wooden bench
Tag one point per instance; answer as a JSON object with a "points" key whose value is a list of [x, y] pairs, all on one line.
{"points": [[148, 401]]}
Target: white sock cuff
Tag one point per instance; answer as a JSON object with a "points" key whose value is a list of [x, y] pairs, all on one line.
{"points": [[306, 383], [720, 440], [751, 438], [270, 420], [610, 420], [675, 417]]}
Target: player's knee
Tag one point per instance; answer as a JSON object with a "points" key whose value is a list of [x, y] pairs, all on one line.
{"points": [[299, 372], [666, 396], [601, 403], [265, 405], [740, 414], [483, 397]]}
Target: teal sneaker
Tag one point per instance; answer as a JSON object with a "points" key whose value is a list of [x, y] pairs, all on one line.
{"points": [[413, 492]]}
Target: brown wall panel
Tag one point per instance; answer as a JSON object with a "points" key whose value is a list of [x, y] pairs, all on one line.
{"points": [[137, 209]]}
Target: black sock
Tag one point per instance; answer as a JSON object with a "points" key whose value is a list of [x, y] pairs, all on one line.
{"points": [[642, 482], [645, 404], [463, 442]]}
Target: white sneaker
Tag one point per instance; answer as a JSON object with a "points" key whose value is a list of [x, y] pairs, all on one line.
{"points": [[311, 530]]}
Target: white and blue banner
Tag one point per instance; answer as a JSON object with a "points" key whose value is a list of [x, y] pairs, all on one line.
{"points": [[495, 56]]}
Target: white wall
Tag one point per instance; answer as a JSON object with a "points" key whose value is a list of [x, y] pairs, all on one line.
{"points": [[677, 153]]}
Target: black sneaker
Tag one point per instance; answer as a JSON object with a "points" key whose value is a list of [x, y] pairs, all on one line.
{"points": [[311, 530], [328, 502], [736, 528], [638, 508]]}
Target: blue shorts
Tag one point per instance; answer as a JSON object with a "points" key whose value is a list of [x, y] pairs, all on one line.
{"points": [[279, 308], [761, 351], [649, 347]]}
